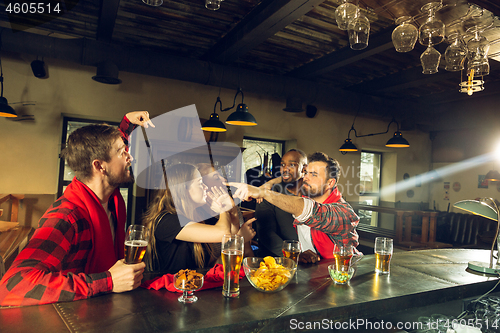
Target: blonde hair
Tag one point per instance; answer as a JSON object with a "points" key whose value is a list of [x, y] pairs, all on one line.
{"points": [[174, 199]]}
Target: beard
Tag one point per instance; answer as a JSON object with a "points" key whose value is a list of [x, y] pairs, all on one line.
{"points": [[311, 192], [125, 178]]}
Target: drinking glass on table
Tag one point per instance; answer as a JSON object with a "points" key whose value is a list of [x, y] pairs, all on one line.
{"points": [[343, 255], [291, 249], [383, 254], [136, 242], [232, 257]]}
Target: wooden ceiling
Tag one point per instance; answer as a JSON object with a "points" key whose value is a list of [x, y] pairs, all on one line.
{"points": [[295, 40]]}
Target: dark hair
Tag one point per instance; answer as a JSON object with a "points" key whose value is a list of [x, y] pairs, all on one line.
{"points": [[86, 144], [303, 156], [332, 165]]}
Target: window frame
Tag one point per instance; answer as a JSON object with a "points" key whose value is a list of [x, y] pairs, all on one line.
{"points": [[373, 194]]}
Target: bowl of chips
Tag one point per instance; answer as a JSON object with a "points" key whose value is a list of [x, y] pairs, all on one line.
{"points": [[269, 274]]}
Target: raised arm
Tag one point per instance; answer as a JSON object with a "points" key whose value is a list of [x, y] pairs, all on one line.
{"points": [[288, 203], [336, 219], [329, 218]]}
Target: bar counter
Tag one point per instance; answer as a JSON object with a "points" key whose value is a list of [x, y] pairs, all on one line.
{"points": [[417, 279]]}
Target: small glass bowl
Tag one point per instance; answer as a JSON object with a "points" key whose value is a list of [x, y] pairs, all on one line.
{"points": [[188, 289], [340, 277]]}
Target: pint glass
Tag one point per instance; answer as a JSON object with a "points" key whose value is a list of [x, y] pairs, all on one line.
{"points": [[383, 254], [232, 257], [343, 255], [136, 242], [291, 249]]}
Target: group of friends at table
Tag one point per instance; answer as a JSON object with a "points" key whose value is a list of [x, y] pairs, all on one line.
{"points": [[78, 248]]}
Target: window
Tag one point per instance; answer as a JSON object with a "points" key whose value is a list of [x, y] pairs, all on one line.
{"points": [[369, 179], [256, 150], [65, 173]]}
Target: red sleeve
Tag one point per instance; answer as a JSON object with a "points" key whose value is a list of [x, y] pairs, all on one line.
{"points": [[50, 268], [126, 128]]}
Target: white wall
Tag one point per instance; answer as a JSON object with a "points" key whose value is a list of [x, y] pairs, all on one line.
{"points": [[468, 180]]}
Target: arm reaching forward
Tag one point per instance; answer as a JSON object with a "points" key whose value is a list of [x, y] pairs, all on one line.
{"points": [[288, 203]]}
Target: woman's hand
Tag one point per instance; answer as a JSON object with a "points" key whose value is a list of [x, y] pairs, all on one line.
{"points": [[246, 230], [219, 200]]}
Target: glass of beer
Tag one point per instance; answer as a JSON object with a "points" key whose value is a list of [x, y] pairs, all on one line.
{"points": [[232, 257], [291, 249], [383, 254], [343, 255], [136, 242]]}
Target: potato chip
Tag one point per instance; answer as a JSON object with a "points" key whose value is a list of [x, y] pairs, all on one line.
{"points": [[270, 276]]}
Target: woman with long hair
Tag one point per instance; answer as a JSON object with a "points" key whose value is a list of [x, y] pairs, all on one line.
{"points": [[213, 179], [180, 237]]}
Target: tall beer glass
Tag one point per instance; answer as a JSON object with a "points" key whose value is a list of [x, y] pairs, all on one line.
{"points": [[136, 242], [232, 257], [383, 254]]}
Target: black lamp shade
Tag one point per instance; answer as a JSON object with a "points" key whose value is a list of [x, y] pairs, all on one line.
{"points": [[348, 146], [241, 117], [493, 176], [214, 124], [397, 141], [107, 72], [5, 109]]}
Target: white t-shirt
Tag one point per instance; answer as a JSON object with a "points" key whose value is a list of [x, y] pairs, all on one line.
{"points": [[304, 231]]}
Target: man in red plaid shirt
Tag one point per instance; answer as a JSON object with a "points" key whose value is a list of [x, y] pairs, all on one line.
{"points": [[323, 219], [77, 250]]}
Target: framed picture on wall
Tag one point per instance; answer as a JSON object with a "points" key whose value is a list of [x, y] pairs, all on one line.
{"points": [[482, 182]]}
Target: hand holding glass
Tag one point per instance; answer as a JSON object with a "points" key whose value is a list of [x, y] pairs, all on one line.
{"points": [[232, 257], [136, 242], [383, 255]]}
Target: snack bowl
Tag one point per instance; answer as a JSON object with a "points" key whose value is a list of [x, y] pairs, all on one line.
{"points": [[269, 274], [341, 277], [188, 282]]}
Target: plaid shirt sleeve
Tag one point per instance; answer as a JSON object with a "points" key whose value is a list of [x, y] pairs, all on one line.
{"points": [[126, 128], [337, 219], [50, 268]]}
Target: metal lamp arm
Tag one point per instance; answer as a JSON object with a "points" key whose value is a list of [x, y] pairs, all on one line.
{"points": [[494, 204], [372, 134], [239, 91]]}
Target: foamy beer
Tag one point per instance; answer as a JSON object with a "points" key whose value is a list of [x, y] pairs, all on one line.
{"points": [[383, 254], [136, 242], [232, 257]]}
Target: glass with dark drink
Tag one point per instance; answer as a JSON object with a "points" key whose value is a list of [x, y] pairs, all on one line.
{"points": [[232, 257], [136, 242], [291, 249], [383, 255]]}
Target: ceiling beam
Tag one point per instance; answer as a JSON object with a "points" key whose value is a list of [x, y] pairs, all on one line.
{"points": [[343, 57], [135, 60], [268, 18], [107, 19], [401, 80]]}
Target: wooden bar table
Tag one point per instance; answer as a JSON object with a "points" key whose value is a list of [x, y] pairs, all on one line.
{"points": [[417, 279]]}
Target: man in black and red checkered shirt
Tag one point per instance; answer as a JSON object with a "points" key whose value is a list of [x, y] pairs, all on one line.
{"points": [[324, 220], [77, 250]]}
